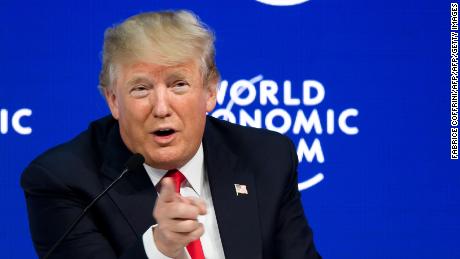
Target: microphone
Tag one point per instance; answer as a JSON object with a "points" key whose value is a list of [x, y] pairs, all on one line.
{"points": [[133, 162]]}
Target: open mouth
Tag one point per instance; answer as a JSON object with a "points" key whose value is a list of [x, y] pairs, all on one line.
{"points": [[164, 132]]}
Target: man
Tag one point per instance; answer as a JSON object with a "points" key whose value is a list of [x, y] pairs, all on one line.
{"points": [[208, 188]]}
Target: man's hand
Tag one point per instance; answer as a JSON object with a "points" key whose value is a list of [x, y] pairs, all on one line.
{"points": [[176, 217]]}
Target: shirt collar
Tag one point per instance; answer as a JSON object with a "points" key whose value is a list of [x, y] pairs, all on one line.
{"points": [[192, 170]]}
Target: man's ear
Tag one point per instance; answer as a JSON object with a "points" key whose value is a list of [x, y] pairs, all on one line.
{"points": [[211, 95], [111, 99]]}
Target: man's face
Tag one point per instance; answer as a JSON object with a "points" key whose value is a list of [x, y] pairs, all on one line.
{"points": [[161, 110]]}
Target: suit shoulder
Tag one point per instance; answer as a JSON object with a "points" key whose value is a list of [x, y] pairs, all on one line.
{"points": [[234, 133], [83, 152], [253, 145]]}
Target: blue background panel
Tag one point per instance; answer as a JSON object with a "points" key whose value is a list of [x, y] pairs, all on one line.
{"points": [[389, 191]]}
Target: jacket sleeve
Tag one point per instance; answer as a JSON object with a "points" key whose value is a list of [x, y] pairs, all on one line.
{"points": [[52, 207], [294, 237]]}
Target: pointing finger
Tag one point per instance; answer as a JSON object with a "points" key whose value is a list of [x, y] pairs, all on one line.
{"points": [[167, 192]]}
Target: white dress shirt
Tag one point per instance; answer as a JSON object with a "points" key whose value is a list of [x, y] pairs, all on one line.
{"points": [[195, 185]]}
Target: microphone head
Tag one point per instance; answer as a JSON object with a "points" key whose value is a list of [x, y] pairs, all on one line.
{"points": [[134, 162]]}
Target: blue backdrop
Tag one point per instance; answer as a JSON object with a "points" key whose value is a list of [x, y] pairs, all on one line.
{"points": [[362, 88]]}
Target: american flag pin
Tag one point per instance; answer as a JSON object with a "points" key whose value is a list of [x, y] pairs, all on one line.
{"points": [[241, 189]]}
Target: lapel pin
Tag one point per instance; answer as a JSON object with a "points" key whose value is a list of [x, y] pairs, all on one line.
{"points": [[241, 189]]}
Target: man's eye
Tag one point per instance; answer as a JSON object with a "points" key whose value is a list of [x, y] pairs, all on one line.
{"points": [[139, 91], [180, 84]]}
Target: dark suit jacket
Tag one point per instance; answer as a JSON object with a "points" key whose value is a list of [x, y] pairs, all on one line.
{"points": [[269, 222]]}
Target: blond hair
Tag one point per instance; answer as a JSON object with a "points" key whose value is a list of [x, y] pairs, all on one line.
{"points": [[164, 37]]}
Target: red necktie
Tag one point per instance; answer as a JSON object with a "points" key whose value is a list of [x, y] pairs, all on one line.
{"points": [[194, 248]]}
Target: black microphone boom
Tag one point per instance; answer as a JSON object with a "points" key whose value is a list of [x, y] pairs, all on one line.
{"points": [[133, 162]]}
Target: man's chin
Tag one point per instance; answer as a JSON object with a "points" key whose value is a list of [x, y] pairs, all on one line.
{"points": [[165, 159]]}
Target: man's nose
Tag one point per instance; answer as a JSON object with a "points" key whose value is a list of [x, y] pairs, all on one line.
{"points": [[161, 107]]}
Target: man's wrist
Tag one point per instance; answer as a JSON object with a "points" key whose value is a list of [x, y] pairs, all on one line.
{"points": [[151, 250], [165, 249]]}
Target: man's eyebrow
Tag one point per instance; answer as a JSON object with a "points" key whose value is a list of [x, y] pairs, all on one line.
{"points": [[176, 76], [138, 80]]}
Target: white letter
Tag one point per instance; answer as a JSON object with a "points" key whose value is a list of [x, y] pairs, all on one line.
{"points": [[226, 115], [288, 100], [238, 87], [4, 121], [221, 91], [246, 120], [330, 121], [284, 115], [307, 124], [309, 154], [307, 99], [343, 121], [15, 121], [268, 89]]}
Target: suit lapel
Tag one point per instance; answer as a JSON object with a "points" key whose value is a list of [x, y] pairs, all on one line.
{"points": [[237, 215], [135, 194]]}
